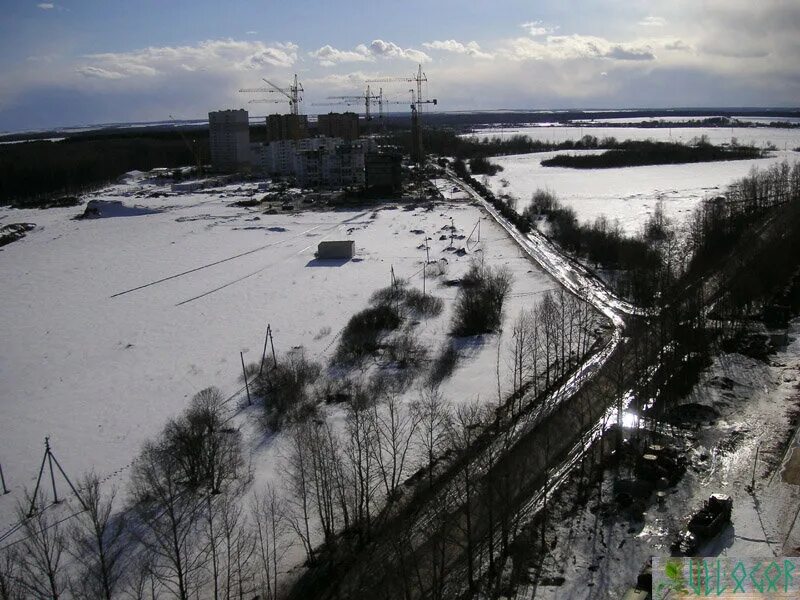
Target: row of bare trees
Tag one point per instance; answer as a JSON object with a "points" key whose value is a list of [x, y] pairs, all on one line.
{"points": [[191, 527], [186, 526], [547, 341], [342, 474]]}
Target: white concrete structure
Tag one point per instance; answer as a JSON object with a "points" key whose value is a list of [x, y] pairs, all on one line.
{"points": [[229, 140], [314, 161]]}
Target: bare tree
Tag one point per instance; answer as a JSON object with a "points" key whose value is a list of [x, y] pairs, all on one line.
{"points": [[238, 546], [207, 453], [395, 429], [140, 579], [433, 414], [10, 588], [299, 475], [99, 543], [323, 449], [269, 517], [169, 514], [41, 552], [360, 439], [462, 432]]}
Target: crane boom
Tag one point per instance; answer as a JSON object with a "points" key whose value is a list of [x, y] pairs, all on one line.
{"points": [[293, 93]]}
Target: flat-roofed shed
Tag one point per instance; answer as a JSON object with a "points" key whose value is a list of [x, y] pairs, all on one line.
{"points": [[336, 249]]}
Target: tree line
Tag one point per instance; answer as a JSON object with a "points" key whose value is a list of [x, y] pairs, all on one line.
{"points": [[639, 153]]}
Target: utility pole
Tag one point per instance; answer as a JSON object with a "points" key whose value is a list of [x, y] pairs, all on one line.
{"points": [[49, 458], [246, 384], [268, 338], [3, 480]]}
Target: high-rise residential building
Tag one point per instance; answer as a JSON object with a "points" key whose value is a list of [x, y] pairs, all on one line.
{"points": [[383, 171], [229, 140], [339, 125], [286, 127]]}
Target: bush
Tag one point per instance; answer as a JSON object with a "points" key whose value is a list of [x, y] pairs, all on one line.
{"points": [[362, 334], [285, 387], [406, 352], [479, 304], [482, 166], [423, 304], [391, 294], [206, 454], [443, 365]]}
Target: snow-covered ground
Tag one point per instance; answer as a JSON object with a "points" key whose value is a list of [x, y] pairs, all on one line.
{"points": [[626, 194], [689, 118], [600, 557], [783, 139], [112, 324]]}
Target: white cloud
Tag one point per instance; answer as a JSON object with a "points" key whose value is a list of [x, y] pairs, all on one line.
{"points": [[210, 55], [89, 71], [392, 50], [470, 48], [537, 28], [328, 55], [677, 45], [653, 22], [46, 5], [566, 47]]}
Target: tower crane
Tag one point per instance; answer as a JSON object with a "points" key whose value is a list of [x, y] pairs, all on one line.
{"points": [[367, 97], [293, 93], [416, 104]]}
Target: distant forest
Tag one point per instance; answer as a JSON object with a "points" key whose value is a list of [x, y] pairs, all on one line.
{"points": [[635, 153], [38, 173]]}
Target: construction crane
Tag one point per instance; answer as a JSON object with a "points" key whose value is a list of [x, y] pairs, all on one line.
{"points": [[191, 146], [416, 104], [293, 93], [265, 101], [367, 97]]}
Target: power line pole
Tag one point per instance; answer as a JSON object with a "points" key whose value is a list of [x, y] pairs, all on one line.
{"points": [[246, 384], [3, 480], [50, 458]]}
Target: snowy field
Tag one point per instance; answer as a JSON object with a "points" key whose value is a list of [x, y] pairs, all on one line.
{"points": [[783, 139], [688, 118], [628, 194], [112, 324]]}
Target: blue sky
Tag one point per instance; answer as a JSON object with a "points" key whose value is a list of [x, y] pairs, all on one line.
{"points": [[91, 61]]}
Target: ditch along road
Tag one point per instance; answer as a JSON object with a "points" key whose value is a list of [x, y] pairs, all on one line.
{"points": [[455, 521]]}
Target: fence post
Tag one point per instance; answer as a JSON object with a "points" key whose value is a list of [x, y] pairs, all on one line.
{"points": [[3, 480], [246, 385]]}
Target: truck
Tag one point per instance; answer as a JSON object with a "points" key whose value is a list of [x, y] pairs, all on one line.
{"points": [[704, 525]]}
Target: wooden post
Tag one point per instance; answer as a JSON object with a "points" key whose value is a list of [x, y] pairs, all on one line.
{"points": [[264, 352], [452, 231], [425, 267], [755, 462], [50, 464], [3, 480], [246, 384], [272, 345]]}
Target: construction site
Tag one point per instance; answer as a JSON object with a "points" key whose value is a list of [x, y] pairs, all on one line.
{"points": [[344, 151]]}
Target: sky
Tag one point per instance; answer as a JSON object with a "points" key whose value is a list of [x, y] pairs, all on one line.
{"points": [[77, 62]]}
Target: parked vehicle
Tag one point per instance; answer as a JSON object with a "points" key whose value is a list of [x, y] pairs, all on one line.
{"points": [[704, 525]]}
